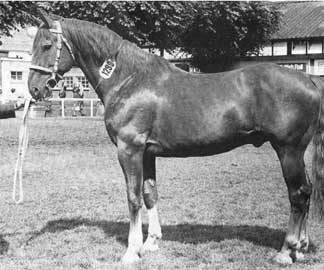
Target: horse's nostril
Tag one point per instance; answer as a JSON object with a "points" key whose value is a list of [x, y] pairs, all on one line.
{"points": [[35, 90], [36, 93]]}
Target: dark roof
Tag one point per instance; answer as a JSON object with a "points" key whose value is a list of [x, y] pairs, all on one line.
{"points": [[301, 20]]}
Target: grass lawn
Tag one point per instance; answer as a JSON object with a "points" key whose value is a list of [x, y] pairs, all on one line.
{"points": [[228, 211]]}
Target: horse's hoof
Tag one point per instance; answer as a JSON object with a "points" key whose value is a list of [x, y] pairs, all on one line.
{"points": [[148, 248], [150, 245], [283, 258], [299, 256], [130, 258]]}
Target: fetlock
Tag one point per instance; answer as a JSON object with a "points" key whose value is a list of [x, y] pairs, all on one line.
{"points": [[304, 244], [292, 243]]}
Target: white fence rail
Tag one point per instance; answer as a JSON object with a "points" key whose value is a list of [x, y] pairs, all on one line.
{"points": [[75, 102]]}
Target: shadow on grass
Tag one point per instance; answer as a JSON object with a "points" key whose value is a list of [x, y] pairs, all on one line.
{"points": [[183, 233], [4, 245]]}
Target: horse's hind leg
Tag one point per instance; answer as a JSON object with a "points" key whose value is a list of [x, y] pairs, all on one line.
{"points": [[299, 189], [150, 195]]}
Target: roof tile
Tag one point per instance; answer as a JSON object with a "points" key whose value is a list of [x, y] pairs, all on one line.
{"points": [[301, 20]]}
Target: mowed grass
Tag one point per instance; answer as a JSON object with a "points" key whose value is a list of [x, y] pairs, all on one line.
{"points": [[228, 211]]}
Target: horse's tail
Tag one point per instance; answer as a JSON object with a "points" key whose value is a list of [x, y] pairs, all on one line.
{"points": [[318, 156]]}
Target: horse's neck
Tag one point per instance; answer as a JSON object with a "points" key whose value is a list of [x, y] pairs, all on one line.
{"points": [[105, 87], [89, 65]]}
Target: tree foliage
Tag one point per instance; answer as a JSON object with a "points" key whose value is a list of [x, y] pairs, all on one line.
{"points": [[14, 14], [162, 22], [221, 31]]}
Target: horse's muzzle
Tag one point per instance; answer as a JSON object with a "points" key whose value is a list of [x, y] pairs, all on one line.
{"points": [[38, 95]]}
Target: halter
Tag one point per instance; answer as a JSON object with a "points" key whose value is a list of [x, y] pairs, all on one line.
{"points": [[52, 81]]}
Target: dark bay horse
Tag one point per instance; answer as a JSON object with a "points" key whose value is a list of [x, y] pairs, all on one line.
{"points": [[154, 109]]}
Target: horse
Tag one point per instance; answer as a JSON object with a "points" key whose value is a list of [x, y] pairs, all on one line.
{"points": [[154, 109]]}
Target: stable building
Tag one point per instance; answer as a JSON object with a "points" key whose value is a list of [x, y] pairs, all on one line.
{"points": [[299, 41]]}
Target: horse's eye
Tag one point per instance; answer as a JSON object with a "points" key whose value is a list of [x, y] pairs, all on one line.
{"points": [[47, 44]]}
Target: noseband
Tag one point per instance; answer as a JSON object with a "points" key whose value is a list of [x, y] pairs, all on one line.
{"points": [[52, 81]]}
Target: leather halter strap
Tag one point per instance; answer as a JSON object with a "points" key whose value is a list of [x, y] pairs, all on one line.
{"points": [[60, 40]]}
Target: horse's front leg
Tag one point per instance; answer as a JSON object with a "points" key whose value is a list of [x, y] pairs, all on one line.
{"points": [[130, 156], [150, 195]]}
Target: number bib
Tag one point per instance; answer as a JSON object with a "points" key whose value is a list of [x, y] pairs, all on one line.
{"points": [[107, 69]]}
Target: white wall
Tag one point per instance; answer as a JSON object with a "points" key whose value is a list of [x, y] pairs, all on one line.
{"points": [[21, 87]]}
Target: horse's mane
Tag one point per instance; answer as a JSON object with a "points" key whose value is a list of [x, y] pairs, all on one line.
{"points": [[101, 42]]}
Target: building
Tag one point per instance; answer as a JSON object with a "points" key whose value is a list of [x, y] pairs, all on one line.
{"points": [[15, 59], [299, 42]]}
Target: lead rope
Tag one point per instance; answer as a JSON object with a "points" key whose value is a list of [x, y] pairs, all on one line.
{"points": [[23, 142]]}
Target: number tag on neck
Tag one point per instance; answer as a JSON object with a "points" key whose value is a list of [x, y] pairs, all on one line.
{"points": [[107, 69]]}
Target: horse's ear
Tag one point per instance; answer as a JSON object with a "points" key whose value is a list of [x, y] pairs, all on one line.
{"points": [[45, 18], [36, 21]]}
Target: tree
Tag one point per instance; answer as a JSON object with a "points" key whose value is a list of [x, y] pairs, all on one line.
{"points": [[14, 14], [162, 22], [222, 31]]}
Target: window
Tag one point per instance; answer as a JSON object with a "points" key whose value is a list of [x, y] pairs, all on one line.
{"points": [[296, 66], [314, 47], [319, 67], [16, 75], [83, 81], [68, 81], [280, 48], [266, 50], [298, 47]]}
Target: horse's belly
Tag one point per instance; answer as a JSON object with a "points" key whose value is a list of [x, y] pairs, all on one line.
{"points": [[217, 129], [206, 147]]}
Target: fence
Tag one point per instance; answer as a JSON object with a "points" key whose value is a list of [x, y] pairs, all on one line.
{"points": [[73, 107]]}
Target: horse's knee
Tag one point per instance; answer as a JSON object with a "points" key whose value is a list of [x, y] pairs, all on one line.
{"points": [[150, 193], [134, 201]]}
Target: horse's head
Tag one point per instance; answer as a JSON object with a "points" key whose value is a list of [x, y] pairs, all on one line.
{"points": [[52, 57]]}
